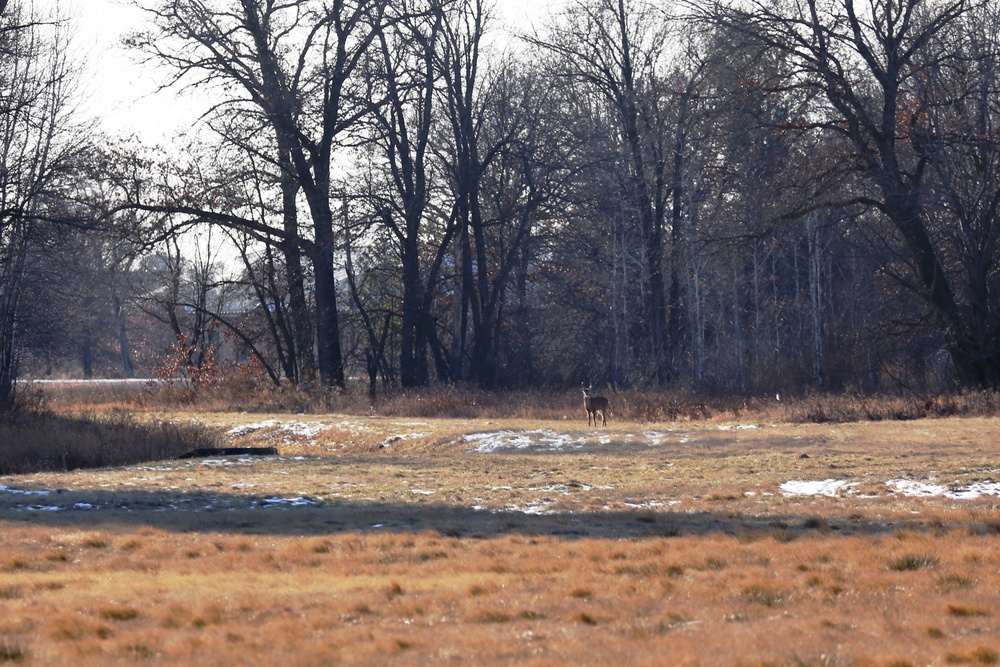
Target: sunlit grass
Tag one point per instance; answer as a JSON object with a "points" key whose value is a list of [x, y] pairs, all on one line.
{"points": [[633, 593], [675, 547]]}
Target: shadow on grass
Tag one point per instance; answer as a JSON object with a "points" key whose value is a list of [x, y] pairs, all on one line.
{"points": [[260, 515]]}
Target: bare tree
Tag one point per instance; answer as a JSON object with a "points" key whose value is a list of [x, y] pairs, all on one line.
{"points": [[292, 65], [405, 76], [616, 48], [37, 147], [867, 64]]}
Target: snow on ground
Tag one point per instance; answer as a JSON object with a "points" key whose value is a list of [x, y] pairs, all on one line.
{"points": [[827, 487], [247, 429], [537, 507], [308, 430], [495, 441], [277, 501], [242, 460], [347, 425], [23, 492], [832, 488], [909, 487], [293, 431], [904, 487], [654, 437], [549, 440]]}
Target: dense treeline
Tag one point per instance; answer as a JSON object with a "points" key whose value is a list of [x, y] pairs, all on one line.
{"points": [[721, 197]]}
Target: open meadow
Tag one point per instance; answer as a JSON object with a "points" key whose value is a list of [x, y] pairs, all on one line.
{"points": [[398, 540]]}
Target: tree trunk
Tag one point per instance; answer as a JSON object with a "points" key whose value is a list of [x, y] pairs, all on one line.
{"points": [[413, 370], [815, 300], [331, 364], [303, 360], [124, 349]]}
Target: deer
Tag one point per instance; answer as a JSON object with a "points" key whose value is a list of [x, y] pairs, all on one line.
{"points": [[593, 405]]}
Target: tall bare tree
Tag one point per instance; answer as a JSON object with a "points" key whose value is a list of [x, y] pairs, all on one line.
{"points": [[37, 147], [867, 64], [406, 78], [617, 49], [292, 65]]}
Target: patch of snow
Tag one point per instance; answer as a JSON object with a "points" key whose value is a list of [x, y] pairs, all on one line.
{"points": [[657, 438], [276, 501], [495, 441], [351, 426], [916, 489], [307, 430], [536, 507], [827, 487], [291, 430], [654, 437], [246, 429], [241, 460], [738, 427], [564, 489], [23, 492]]}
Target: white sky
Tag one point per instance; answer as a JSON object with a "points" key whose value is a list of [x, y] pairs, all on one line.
{"points": [[123, 93]]}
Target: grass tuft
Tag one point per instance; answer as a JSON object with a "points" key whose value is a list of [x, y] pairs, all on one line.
{"points": [[394, 591], [962, 611], [118, 613], [715, 564], [980, 656], [10, 592], [953, 581], [491, 616], [769, 597], [12, 653], [912, 562]]}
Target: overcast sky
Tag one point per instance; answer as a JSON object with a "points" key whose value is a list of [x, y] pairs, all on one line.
{"points": [[124, 93]]}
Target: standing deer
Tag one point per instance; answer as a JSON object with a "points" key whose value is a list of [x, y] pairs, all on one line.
{"points": [[593, 405]]}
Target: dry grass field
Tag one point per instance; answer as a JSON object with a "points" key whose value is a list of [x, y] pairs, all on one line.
{"points": [[378, 540]]}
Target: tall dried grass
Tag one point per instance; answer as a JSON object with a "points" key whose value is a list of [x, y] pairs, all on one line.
{"points": [[461, 401], [42, 440]]}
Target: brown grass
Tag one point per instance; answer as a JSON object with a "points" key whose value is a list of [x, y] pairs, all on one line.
{"points": [[35, 441], [653, 543], [277, 604], [464, 402]]}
